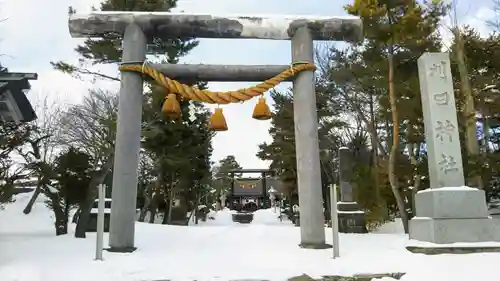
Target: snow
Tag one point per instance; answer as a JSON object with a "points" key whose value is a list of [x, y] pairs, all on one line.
{"points": [[96, 210], [253, 26], [421, 218], [268, 217], [391, 227], [451, 188], [221, 218], [350, 212], [217, 249], [52, 189], [228, 16]]}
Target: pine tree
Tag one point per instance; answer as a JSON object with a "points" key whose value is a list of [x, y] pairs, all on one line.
{"points": [[70, 178], [180, 146], [483, 74], [398, 32], [109, 50], [223, 176], [281, 151]]}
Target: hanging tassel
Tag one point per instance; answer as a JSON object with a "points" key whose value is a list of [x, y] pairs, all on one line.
{"points": [[171, 107], [261, 110], [218, 121]]}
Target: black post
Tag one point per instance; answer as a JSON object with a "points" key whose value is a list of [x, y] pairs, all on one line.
{"points": [[264, 190], [231, 196]]}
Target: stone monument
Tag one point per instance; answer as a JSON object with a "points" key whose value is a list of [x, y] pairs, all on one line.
{"points": [[351, 218], [449, 211]]}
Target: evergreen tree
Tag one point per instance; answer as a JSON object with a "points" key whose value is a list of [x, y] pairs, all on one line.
{"points": [[222, 175], [483, 74], [398, 32], [71, 175], [281, 151], [181, 150]]}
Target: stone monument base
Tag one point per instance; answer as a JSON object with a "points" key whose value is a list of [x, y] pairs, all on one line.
{"points": [[453, 214], [351, 218], [445, 231]]}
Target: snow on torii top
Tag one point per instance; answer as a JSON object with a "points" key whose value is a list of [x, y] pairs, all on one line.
{"points": [[166, 24]]}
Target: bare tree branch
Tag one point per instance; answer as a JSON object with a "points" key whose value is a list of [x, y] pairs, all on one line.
{"points": [[91, 126]]}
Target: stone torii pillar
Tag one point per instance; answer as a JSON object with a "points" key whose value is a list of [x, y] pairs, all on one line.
{"points": [[137, 28]]}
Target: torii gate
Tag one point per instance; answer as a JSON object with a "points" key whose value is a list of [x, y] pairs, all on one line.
{"points": [[138, 28]]}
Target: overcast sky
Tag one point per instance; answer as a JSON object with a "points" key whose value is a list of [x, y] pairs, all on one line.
{"points": [[35, 32]]}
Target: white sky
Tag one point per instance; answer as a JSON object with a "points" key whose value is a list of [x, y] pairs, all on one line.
{"points": [[35, 32]]}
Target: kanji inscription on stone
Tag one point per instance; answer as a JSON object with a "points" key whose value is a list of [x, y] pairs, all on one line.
{"points": [[442, 98], [440, 121], [445, 130], [438, 69], [448, 164]]}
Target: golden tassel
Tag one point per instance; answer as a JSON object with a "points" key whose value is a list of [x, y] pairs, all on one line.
{"points": [[171, 107], [261, 110], [218, 121]]}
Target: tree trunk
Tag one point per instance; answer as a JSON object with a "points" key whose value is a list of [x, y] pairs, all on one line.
{"points": [[152, 214], [191, 216], [166, 197], [148, 196], [416, 175], [196, 209], [33, 198], [486, 132], [83, 218], [155, 195], [61, 220], [170, 204], [469, 113], [374, 142], [395, 144], [153, 209], [67, 208], [290, 190], [165, 212], [76, 215], [380, 204]]}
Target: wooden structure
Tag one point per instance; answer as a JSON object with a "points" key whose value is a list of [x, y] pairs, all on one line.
{"points": [[139, 28], [250, 194], [14, 105]]}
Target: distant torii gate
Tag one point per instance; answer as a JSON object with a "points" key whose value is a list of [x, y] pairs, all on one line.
{"points": [[139, 28]]}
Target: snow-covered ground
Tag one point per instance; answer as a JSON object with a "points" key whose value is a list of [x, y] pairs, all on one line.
{"points": [[217, 250]]}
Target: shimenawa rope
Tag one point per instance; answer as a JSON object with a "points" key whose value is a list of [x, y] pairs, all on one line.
{"points": [[193, 93]]}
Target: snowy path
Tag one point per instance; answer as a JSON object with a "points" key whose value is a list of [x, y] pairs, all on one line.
{"points": [[29, 251]]}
